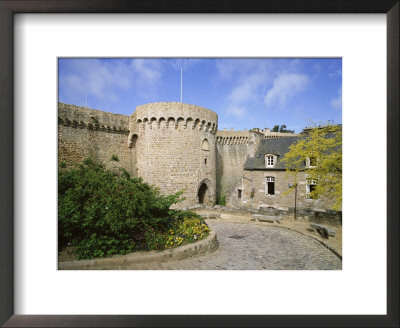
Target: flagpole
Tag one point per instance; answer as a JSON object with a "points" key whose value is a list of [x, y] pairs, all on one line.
{"points": [[181, 84]]}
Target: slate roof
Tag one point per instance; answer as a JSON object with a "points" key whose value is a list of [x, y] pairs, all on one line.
{"points": [[275, 146]]}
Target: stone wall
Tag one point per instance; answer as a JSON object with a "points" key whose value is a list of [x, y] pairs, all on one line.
{"points": [[230, 160], [253, 192], [175, 148], [84, 132], [233, 147], [308, 215]]}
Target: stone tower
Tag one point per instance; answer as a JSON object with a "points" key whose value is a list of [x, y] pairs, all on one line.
{"points": [[173, 147]]}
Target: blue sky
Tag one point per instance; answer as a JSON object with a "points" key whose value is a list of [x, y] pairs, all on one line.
{"points": [[245, 93]]}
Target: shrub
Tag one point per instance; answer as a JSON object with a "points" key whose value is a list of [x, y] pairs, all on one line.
{"points": [[101, 213], [115, 158], [63, 165]]}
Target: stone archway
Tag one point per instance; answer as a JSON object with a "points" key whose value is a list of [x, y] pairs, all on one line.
{"points": [[202, 194]]}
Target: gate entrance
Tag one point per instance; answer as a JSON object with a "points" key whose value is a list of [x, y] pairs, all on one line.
{"points": [[202, 193]]}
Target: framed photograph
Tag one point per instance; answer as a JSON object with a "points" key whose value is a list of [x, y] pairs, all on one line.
{"points": [[36, 36], [206, 148]]}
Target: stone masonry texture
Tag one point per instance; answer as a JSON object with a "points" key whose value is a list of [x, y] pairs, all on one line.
{"points": [[84, 132], [233, 148], [175, 147], [174, 144]]}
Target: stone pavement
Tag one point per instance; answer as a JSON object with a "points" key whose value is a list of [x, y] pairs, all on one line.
{"points": [[247, 246]]}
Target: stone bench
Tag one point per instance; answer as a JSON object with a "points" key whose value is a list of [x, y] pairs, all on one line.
{"points": [[210, 215], [266, 218], [324, 231]]}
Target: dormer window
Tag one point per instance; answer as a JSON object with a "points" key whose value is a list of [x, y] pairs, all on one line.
{"points": [[269, 161], [311, 161]]}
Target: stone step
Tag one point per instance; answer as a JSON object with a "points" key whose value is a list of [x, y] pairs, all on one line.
{"points": [[211, 215], [266, 218], [324, 230]]}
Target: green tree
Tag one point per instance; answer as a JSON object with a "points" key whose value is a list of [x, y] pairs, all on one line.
{"points": [[275, 128], [319, 154]]}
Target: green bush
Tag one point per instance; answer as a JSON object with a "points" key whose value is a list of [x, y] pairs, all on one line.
{"points": [[101, 213], [115, 158]]}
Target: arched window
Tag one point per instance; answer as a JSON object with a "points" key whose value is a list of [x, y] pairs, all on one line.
{"points": [[205, 145], [132, 141]]}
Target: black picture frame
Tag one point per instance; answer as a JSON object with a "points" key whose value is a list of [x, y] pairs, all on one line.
{"points": [[10, 7]]}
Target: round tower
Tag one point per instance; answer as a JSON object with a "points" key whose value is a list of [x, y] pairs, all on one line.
{"points": [[173, 147]]}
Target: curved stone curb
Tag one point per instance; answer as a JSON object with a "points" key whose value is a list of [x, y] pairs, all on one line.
{"points": [[330, 248], [118, 262]]}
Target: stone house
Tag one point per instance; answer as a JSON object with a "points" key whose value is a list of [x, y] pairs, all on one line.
{"points": [[265, 182]]}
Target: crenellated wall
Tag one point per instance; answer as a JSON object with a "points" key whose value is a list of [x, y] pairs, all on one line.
{"points": [[174, 147], [233, 147], [84, 132], [232, 137]]}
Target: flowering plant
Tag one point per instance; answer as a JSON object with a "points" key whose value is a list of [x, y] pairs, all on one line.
{"points": [[189, 229], [101, 213]]}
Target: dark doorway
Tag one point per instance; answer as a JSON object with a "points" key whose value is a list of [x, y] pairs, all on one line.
{"points": [[202, 193], [271, 188]]}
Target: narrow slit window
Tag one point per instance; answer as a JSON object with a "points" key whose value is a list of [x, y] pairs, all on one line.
{"points": [[205, 161], [239, 193]]}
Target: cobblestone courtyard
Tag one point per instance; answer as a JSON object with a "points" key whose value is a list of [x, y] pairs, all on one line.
{"points": [[247, 246]]}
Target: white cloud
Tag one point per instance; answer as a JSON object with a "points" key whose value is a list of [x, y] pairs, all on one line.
{"points": [[184, 63], [237, 68], [94, 77], [259, 83], [147, 72], [336, 103], [285, 87], [247, 89], [336, 74], [247, 78], [226, 68], [103, 79], [238, 112]]}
